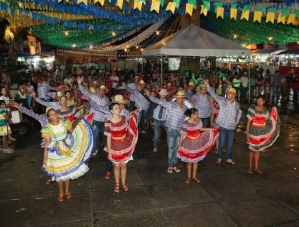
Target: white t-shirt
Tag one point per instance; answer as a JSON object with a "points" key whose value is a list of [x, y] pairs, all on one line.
{"points": [[236, 82], [29, 89], [114, 84], [244, 81]]}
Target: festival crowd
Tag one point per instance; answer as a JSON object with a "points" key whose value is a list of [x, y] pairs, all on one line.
{"points": [[89, 111]]}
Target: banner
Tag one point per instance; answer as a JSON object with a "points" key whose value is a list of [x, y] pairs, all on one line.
{"points": [[31, 44]]}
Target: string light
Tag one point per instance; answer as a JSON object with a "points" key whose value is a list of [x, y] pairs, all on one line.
{"points": [[270, 38], [66, 33], [113, 33], [235, 36], [157, 32]]}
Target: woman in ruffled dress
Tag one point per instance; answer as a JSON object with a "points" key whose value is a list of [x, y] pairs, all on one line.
{"points": [[122, 136], [193, 145], [262, 130], [66, 150]]}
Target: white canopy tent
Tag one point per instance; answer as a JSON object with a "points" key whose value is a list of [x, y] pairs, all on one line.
{"points": [[195, 41]]}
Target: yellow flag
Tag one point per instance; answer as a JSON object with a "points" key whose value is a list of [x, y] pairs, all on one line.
{"points": [[137, 5], [245, 15], [220, 12], [60, 1], [203, 10], [120, 3], [155, 5], [291, 19], [100, 1], [189, 9], [171, 6], [233, 13], [270, 17], [257, 16], [281, 19], [84, 1]]}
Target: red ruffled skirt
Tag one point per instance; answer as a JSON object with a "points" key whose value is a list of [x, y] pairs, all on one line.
{"points": [[195, 150]]}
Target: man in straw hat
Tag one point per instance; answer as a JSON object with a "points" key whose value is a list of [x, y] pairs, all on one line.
{"points": [[175, 117], [202, 102], [228, 118], [99, 118], [141, 103], [189, 91]]}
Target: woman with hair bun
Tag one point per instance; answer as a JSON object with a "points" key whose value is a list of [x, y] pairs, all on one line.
{"points": [[193, 145]]}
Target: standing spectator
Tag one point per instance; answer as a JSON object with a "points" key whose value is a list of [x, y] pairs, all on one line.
{"points": [[259, 84], [42, 90], [190, 90], [236, 83], [228, 118], [295, 87], [244, 86], [114, 78], [276, 88]]}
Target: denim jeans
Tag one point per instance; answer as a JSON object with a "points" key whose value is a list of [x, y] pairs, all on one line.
{"points": [[295, 94], [173, 137], [157, 125], [205, 122], [243, 92], [228, 135], [99, 127], [141, 123]]}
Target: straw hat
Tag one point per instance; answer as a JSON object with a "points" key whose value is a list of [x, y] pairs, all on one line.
{"points": [[191, 83], [180, 94], [92, 90], [163, 92], [168, 84], [136, 78], [141, 82], [119, 99], [48, 109], [59, 94], [232, 90], [103, 87]]}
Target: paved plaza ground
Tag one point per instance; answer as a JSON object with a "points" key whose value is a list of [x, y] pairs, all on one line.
{"points": [[226, 195]]}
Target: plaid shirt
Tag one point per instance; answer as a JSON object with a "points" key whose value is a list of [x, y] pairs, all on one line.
{"points": [[188, 93], [140, 101], [42, 119], [157, 111], [229, 113], [107, 112], [175, 116], [203, 104], [97, 101]]}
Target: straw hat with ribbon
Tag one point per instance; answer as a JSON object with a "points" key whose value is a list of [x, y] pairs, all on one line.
{"points": [[119, 99], [191, 83], [232, 90], [59, 94], [180, 94], [163, 92], [141, 82], [93, 90], [103, 87]]}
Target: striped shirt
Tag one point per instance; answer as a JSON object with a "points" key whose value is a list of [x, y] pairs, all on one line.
{"points": [[229, 113]]}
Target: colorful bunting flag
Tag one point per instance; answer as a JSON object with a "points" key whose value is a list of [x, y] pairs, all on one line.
{"points": [[257, 16], [292, 19], [285, 12], [193, 2], [189, 9], [84, 1], [171, 6], [120, 3], [233, 13], [217, 5], [271, 15], [281, 19], [177, 3], [220, 12], [155, 5], [203, 10], [100, 1], [137, 5], [162, 3]]}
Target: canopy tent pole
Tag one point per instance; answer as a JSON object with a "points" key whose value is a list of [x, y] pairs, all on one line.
{"points": [[249, 87], [161, 77]]}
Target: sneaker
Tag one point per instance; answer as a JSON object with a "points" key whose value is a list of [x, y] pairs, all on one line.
{"points": [[12, 150], [176, 169], [169, 170], [7, 151]]}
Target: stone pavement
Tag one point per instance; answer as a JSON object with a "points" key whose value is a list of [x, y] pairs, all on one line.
{"points": [[226, 195]]}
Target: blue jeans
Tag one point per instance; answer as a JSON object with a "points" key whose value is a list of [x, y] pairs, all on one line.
{"points": [[29, 100], [229, 136], [157, 125], [141, 121], [205, 122], [99, 128], [173, 137]]}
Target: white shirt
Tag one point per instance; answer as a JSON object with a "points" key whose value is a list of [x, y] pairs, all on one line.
{"points": [[244, 81], [114, 84]]}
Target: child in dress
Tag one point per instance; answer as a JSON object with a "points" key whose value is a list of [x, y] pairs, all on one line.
{"points": [[193, 145], [4, 127]]}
